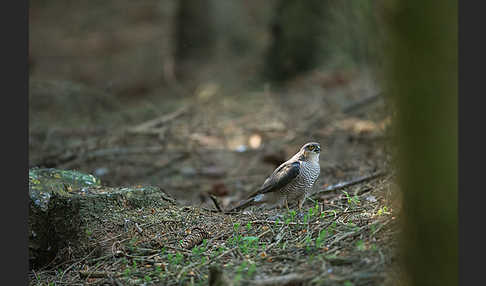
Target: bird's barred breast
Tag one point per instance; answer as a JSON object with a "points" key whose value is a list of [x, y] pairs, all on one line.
{"points": [[304, 181]]}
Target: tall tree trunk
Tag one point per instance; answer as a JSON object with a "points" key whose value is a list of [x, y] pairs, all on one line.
{"points": [[193, 40], [296, 29], [422, 81]]}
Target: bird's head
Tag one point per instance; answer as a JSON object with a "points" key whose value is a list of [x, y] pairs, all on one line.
{"points": [[310, 151]]}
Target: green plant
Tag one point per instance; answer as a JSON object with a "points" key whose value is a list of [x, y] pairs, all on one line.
{"points": [[251, 270], [348, 283], [360, 245], [219, 250], [249, 243], [203, 259], [352, 200], [158, 269], [237, 278], [239, 271], [292, 215], [236, 227], [310, 212], [127, 272], [321, 238], [248, 226], [373, 228], [131, 243], [331, 228], [178, 258], [198, 250], [383, 210], [306, 218], [308, 241], [235, 240]]}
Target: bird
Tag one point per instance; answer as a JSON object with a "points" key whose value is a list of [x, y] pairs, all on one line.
{"points": [[291, 182]]}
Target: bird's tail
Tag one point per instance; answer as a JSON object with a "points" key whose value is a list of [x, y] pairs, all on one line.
{"points": [[242, 205]]}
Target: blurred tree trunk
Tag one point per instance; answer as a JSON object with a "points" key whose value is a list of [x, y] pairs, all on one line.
{"points": [[422, 82], [296, 28], [193, 40]]}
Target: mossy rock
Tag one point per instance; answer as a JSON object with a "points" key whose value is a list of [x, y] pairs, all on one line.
{"points": [[66, 205]]}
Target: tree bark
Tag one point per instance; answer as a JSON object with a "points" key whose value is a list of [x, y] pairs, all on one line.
{"points": [[193, 40], [296, 32], [422, 82]]}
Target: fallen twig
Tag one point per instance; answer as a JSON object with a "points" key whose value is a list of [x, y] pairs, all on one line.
{"points": [[216, 203], [351, 233], [355, 181], [151, 125], [72, 265], [98, 274], [139, 229], [280, 236]]}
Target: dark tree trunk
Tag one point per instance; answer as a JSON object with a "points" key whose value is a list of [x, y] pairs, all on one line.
{"points": [[296, 32], [422, 81], [193, 40]]}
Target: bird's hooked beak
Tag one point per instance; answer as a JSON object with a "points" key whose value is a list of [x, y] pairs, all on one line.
{"points": [[317, 149]]}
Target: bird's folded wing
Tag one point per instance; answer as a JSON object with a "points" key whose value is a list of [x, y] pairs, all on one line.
{"points": [[279, 178]]}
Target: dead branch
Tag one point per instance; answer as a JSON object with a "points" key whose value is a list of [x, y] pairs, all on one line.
{"points": [[216, 203], [280, 236], [151, 125], [355, 181], [351, 233], [97, 274]]}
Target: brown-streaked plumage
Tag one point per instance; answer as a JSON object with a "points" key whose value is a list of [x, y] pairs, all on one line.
{"points": [[291, 182]]}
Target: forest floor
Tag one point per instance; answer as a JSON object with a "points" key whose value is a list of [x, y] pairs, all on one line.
{"points": [[103, 103], [208, 150]]}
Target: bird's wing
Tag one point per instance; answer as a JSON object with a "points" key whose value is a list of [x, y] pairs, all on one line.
{"points": [[279, 178]]}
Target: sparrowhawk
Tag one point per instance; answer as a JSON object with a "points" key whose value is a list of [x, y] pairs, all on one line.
{"points": [[290, 183]]}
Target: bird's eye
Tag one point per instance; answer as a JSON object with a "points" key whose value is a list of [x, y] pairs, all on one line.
{"points": [[311, 147]]}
